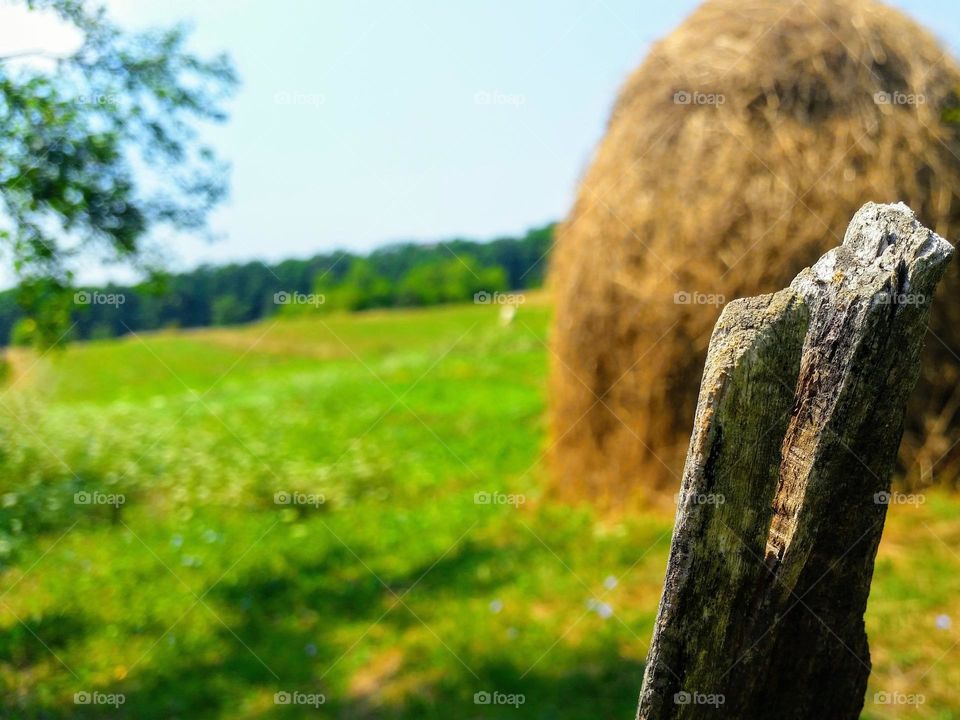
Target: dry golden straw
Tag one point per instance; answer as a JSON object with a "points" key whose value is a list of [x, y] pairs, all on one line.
{"points": [[735, 156]]}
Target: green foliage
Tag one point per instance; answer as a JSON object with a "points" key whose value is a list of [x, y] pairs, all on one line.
{"points": [[431, 281], [227, 310], [24, 332], [448, 281], [69, 141], [360, 289], [399, 275]]}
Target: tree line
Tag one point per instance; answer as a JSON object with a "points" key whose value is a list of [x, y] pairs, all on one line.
{"points": [[398, 275]]}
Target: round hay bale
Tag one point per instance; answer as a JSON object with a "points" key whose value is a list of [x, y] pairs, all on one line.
{"points": [[735, 156]]}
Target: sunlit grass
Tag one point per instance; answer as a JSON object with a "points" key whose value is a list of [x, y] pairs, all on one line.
{"points": [[398, 596]]}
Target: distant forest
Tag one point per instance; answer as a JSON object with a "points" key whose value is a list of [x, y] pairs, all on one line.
{"points": [[398, 275]]}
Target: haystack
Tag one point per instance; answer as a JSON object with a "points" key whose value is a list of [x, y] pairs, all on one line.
{"points": [[735, 156]]}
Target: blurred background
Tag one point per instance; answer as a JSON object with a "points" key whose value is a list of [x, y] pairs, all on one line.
{"points": [[350, 348]]}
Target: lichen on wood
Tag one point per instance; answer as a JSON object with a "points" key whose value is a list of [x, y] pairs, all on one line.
{"points": [[781, 507]]}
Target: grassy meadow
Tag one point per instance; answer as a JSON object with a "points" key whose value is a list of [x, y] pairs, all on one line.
{"points": [[349, 506]]}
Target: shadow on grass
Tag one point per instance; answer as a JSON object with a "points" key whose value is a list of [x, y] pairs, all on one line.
{"points": [[287, 632], [600, 685], [19, 644]]}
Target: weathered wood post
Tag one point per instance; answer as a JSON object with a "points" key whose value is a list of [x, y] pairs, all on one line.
{"points": [[783, 496]]}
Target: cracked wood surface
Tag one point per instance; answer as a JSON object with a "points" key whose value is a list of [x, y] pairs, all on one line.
{"points": [[782, 506]]}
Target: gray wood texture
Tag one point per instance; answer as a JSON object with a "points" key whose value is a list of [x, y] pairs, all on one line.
{"points": [[782, 502]]}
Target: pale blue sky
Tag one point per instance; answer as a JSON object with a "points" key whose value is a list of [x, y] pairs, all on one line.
{"points": [[358, 122]]}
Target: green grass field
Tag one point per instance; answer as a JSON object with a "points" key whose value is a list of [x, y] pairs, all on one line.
{"points": [[397, 596]]}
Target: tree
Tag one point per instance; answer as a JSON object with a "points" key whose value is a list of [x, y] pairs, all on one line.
{"points": [[70, 140], [448, 280], [361, 288], [226, 310]]}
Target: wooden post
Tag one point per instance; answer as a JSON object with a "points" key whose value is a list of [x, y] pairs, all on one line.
{"points": [[783, 496]]}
